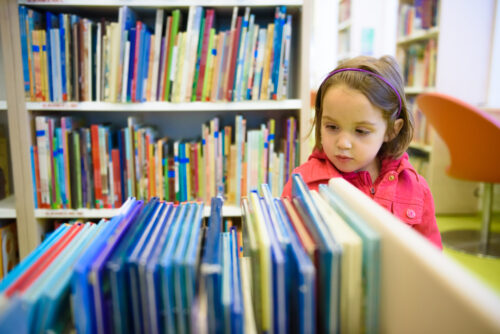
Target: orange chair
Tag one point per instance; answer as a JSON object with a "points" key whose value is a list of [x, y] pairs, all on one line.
{"points": [[473, 139]]}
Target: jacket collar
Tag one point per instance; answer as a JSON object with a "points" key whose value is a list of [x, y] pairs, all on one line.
{"points": [[387, 165]]}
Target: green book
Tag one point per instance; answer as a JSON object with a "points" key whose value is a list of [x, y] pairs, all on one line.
{"points": [[76, 153], [173, 35], [207, 81], [198, 59], [55, 157]]}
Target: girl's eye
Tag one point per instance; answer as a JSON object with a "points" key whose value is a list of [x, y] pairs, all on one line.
{"points": [[331, 127], [363, 132]]}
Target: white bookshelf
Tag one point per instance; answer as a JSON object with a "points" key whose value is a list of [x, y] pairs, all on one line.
{"points": [[162, 3], [418, 36], [292, 104], [3, 105], [160, 114], [8, 208], [227, 211], [460, 47]]}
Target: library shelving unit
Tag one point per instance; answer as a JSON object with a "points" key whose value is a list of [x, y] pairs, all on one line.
{"points": [[443, 52], [364, 28], [176, 120], [11, 207]]}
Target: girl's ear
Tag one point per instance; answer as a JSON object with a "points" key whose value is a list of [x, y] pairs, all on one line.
{"points": [[398, 125]]}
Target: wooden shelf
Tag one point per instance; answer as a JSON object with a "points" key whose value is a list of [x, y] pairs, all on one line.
{"points": [[418, 90], [418, 36], [227, 211], [162, 3], [292, 104], [8, 208]]}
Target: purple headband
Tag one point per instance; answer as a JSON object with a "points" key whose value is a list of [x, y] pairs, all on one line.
{"points": [[375, 75]]}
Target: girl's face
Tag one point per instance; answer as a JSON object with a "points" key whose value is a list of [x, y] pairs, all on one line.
{"points": [[352, 130]]}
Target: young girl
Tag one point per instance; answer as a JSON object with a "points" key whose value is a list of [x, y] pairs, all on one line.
{"points": [[363, 128]]}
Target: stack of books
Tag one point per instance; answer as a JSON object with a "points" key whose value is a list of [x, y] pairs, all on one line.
{"points": [[67, 57], [307, 264], [97, 167]]}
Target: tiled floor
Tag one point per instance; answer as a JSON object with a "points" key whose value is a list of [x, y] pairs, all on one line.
{"points": [[486, 268]]}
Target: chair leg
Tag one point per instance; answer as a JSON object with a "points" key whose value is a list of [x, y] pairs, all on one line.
{"points": [[486, 219]]}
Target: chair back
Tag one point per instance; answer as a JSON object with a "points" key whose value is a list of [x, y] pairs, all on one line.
{"points": [[471, 135]]}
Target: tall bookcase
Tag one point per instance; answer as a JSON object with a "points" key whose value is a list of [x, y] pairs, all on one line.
{"points": [[177, 120], [12, 207], [365, 28], [446, 53]]}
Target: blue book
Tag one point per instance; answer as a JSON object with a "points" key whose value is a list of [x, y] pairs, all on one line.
{"points": [[227, 284], [330, 254], [23, 14], [237, 309], [154, 283], [179, 285], [165, 262], [132, 37], [62, 39], [145, 65], [190, 264], [116, 271], [302, 281], [133, 271], [82, 300], [99, 285], [279, 23], [152, 243], [211, 267], [371, 257]]}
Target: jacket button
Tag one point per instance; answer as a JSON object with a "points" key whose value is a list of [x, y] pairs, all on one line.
{"points": [[391, 177], [410, 213]]}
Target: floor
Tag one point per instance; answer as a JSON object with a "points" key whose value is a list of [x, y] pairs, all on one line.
{"points": [[486, 268]]}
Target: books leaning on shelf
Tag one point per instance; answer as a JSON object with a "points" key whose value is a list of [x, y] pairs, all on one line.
{"points": [[421, 15], [67, 57], [310, 264], [74, 166]]}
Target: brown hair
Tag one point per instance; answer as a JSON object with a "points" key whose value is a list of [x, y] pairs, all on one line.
{"points": [[378, 93]]}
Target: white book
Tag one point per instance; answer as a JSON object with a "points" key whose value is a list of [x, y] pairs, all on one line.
{"points": [[246, 289], [56, 65], [126, 62], [157, 49], [187, 58], [252, 62], [42, 141]]}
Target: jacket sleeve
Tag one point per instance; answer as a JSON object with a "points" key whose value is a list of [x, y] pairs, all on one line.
{"points": [[428, 227], [287, 189]]}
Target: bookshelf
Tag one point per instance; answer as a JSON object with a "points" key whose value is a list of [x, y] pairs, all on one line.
{"points": [[365, 28], [188, 115], [432, 59]]}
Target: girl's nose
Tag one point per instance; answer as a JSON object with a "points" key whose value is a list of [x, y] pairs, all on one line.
{"points": [[344, 142]]}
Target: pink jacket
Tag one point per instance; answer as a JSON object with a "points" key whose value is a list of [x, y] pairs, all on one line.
{"points": [[398, 188]]}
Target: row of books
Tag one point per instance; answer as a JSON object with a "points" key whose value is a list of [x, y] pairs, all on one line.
{"points": [[421, 15], [422, 131], [418, 63], [309, 264], [5, 180], [71, 58], [74, 166], [344, 10]]}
